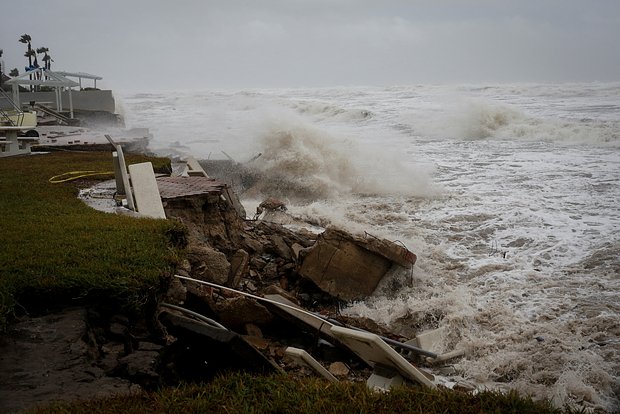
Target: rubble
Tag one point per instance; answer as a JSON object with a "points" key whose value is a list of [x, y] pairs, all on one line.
{"points": [[350, 267], [255, 292], [202, 350]]}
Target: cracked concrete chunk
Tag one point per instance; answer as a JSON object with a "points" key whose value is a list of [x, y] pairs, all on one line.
{"points": [[350, 267]]}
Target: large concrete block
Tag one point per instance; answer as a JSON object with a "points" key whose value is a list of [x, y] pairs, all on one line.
{"points": [[342, 267], [146, 194]]}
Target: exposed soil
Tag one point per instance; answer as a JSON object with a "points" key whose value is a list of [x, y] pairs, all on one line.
{"points": [[48, 358]]}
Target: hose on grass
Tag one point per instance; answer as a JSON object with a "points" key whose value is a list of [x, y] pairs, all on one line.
{"points": [[74, 175]]}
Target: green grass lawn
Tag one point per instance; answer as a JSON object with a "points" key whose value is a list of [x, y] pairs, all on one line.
{"points": [[57, 249], [242, 393]]}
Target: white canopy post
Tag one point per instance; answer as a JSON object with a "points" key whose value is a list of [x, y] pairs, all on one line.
{"points": [[70, 104], [15, 88], [58, 99]]}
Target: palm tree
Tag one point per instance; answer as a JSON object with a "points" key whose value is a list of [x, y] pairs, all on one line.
{"points": [[1, 68], [25, 38], [46, 58], [14, 72], [48, 61], [29, 54]]}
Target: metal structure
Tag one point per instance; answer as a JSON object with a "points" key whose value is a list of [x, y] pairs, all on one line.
{"points": [[46, 78], [80, 76]]}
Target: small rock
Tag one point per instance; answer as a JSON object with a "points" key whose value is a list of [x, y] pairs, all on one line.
{"points": [[258, 343], [253, 330], [464, 387], [270, 271], [339, 369], [118, 331], [258, 263], [284, 283], [177, 292], [296, 248], [252, 245], [238, 267], [239, 311], [113, 348], [277, 290], [449, 370], [209, 264], [149, 346], [185, 266], [140, 363], [280, 247], [249, 285], [284, 268]]}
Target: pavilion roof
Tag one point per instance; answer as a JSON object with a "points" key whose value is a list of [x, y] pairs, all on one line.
{"points": [[48, 78], [79, 75]]}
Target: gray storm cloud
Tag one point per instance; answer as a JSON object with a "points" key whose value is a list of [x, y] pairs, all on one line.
{"points": [[239, 44]]}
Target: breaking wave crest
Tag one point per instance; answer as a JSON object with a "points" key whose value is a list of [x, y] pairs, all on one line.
{"points": [[323, 111], [479, 119], [302, 161]]}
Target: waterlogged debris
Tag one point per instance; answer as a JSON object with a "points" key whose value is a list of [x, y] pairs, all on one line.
{"points": [[388, 364], [271, 204], [350, 267], [202, 350], [303, 358]]}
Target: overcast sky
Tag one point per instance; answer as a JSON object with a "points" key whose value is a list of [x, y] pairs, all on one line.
{"points": [[167, 44]]}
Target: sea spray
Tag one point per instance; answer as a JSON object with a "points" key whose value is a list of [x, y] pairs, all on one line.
{"points": [[304, 162]]}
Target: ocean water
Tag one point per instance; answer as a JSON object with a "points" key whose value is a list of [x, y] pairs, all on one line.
{"points": [[508, 194]]}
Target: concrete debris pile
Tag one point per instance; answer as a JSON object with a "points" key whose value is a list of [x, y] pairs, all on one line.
{"points": [[255, 295], [278, 291]]}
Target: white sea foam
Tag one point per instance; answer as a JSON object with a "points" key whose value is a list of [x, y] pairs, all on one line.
{"points": [[300, 160], [508, 195]]}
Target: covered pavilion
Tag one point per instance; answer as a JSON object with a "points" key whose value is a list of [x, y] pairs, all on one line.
{"points": [[46, 78]]}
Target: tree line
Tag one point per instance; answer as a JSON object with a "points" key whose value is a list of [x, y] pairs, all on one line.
{"points": [[32, 54]]}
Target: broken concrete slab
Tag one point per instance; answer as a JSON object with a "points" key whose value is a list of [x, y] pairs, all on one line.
{"points": [[146, 194], [304, 359], [350, 267], [433, 340], [378, 354], [124, 178], [430, 340], [202, 350]]}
